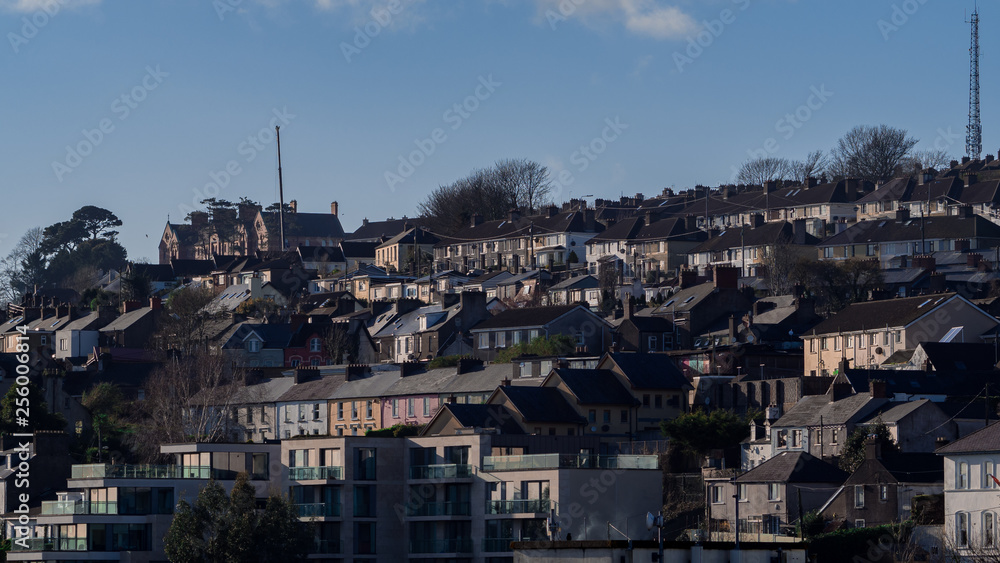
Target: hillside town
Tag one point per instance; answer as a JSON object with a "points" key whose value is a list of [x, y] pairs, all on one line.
{"points": [[759, 370]]}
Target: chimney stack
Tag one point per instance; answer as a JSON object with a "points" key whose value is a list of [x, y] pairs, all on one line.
{"points": [[689, 278], [811, 182], [970, 179], [726, 277], [477, 220], [293, 206], [902, 214], [335, 209]]}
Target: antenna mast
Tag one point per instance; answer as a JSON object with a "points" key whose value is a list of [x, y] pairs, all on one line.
{"points": [[281, 192], [974, 131]]}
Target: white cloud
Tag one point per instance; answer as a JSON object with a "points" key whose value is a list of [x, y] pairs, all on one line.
{"points": [[649, 18], [408, 14], [50, 6]]}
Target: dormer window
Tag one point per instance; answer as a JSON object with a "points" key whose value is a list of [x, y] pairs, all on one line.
{"points": [[253, 346]]}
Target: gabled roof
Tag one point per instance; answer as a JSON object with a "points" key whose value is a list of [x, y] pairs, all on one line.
{"points": [[595, 386], [429, 382], [483, 416], [984, 440], [527, 317], [649, 324], [873, 315], [126, 320], [374, 384], [960, 356], [764, 235], [561, 222], [577, 282], [913, 229], [892, 413], [272, 336], [318, 389], [916, 467], [356, 249], [407, 237], [483, 379], [626, 229], [794, 467], [380, 229], [320, 225], [809, 410], [186, 268], [321, 253], [647, 371], [686, 299], [541, 404]]}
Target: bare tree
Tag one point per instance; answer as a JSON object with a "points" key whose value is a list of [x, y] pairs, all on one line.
{"points": [[189, 399], [917, 161], [761, 170], [779, 260], [14, 268], [812, 166], [871, 153]]}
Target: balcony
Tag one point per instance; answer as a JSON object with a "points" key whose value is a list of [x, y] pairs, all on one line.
{"points": [[315, 473], [441, 471], [325, 546], [49, 544], [63, 507], [440, 509], [569, 461], [441, 546], [519, 506], [498, 545], [103, 471], [318, 510]]}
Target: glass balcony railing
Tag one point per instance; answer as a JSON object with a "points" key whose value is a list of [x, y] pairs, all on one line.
{"points": [[104, 471], [440, 509], [58, 507], [318, 510], [315, 473], [518, 506], [441, 546], [49, 544], [497, 545], [569, 461], [441, 471]]}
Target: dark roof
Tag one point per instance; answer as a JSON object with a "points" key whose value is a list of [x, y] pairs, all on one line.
{"points": [[933, 227], [561, 222], [124, 374], [155, 272], [649, 371], [322, 387], [626, 229], [274, 335], [321, 253], [577, 282], [794, 467], [764, 235], [188, 268], [984, 440], [918, 382], [406, 237], [355, 249], [879, 314], [321, 225], [542, 404], [811, 408], [649, 324], [893, 190], [526, 317], [961, 356], [484, 416], [596, 386], [378, 229]]}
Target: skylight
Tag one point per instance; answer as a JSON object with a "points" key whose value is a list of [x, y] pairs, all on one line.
{"points": [[669, 303], [688, 300], [924, 303]]}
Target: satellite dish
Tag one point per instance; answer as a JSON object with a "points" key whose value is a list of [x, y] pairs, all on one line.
{"points": [[593, 429], [650, 520]]}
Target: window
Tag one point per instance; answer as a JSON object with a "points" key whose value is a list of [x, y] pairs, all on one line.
{"points": [[962, 529], [850, 341], [516, 337], [249, 415], [354, 410], [340, 411], [364, 464], [883, 492], [409, 408], [651, 343], [302, 412], [624, 416], [862, 339], [607, 416], [315, 345], [501, 340], [783, 438], [818, 436], [962, 479], [592, 416], [989, 529], [658, 401], [859, 523], [532, 334], [253, 346], [741, 492], [315, 411], [859, 496], [484, 341], [774, 491], [395, 408], [812, 345], [717, 497], [823, 343], [796, 438], [836, 343], [988, 475], [834, 434], [645, 400]]}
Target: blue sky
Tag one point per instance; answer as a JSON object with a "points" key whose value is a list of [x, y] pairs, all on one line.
{"points": [[163, 96]]}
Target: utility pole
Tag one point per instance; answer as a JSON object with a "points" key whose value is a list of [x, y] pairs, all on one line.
{"points": [[281, 192]]}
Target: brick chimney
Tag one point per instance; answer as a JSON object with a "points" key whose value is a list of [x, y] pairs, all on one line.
{"points": [[129, 306], [756, 220], [476, 220], [965, 211], [902, 214], [466, 365], [355, 372], [293, 206], [335, 209], [551, 211], [970, 179], [770, 186], [840, 391], [155, 303], [972, 259], [691, 223], [966, 159], [962, 245], [878, 389], [688, 278], [513, 215], [811, 182]]}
